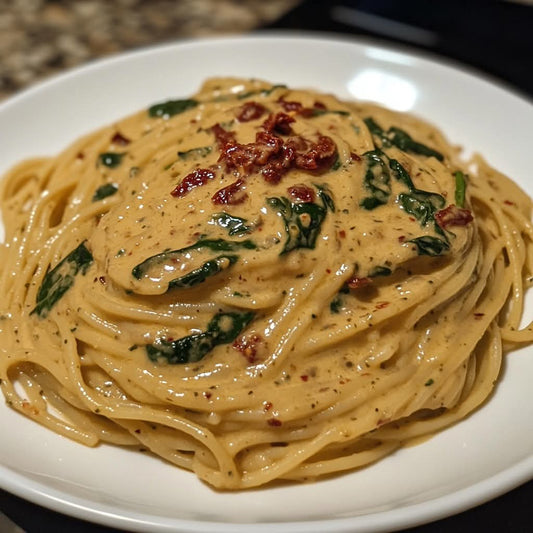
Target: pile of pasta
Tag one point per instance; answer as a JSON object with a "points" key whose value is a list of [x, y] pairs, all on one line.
{"points": [[258, 283]]}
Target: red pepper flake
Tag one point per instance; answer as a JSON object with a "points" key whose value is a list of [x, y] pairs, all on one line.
{"points": [[275, 422], [342, 234], [197, 178], [230, 195], [120, 140], [401, 238], [250, 111], [80, 155], [453, 216], [328, 270], [267, 406], [479, 316], [207, 395], [302, 193], [102, 280], [508, 202], [304, 377], [248, 346], [357, 282], [382, 305], [355, 157]]}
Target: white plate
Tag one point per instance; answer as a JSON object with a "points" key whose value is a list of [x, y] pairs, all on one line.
{"points": [[479, 458]]}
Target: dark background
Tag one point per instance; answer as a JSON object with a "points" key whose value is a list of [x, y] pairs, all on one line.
{"points": [[494, 37]]}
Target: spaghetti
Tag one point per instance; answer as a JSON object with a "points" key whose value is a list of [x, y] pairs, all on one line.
{"points": [[259, 283]]}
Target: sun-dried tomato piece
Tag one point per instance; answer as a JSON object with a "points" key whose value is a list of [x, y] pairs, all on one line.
{"points": [[453, 216], [223, 136], [197, 178], [302, 193], [266, 145], [250, 111], [290, 105], [233, 194], [278, 123], [320, 154]]}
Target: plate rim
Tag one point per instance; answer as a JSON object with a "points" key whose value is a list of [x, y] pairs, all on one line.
{"points": [[407, 516]]}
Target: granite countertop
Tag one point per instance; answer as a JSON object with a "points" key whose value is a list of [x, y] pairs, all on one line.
{"points": [[43, 37]]}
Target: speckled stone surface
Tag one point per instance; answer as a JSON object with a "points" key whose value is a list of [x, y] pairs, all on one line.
{"points": [[40, 37]]}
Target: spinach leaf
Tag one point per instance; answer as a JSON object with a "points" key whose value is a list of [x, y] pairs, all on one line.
{"points": [[200, 274], [201, 151], [376, 180], [405, 142], [104, 191], [325, 195], [234, 225], [171, 108], [336, 304], [401, 174], [421, 204], [401, 139], [315, 112], [379, 271], [376, 130], [223, 328], [59, 280], [215, 245], [262, 92], [460, 188], [430, 245], [303, 222], [110, 159]]}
